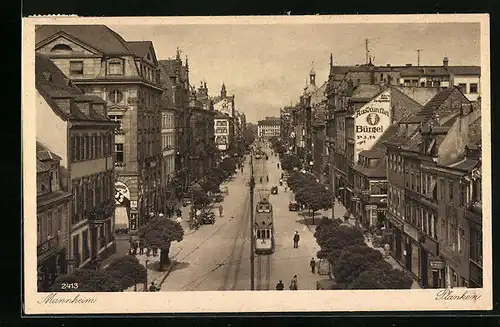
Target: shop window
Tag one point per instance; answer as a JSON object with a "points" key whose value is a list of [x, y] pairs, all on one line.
{"points": [[76, 67]]}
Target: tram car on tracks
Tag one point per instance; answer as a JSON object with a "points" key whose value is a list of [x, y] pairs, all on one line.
{"points": [[263, 224]]}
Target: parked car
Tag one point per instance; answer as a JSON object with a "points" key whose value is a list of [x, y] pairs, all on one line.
{"points": [[186, 202], [293, 206], [274, 190]]}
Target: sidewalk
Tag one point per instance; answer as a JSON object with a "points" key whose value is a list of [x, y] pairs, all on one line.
{"points": [[339, 211]]}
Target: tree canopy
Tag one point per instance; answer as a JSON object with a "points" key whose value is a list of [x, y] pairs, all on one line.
{"points": [[290, 161], [332, 239], [355, 259], [128, 270], [88, 280], [382, 278], [160, 232]]}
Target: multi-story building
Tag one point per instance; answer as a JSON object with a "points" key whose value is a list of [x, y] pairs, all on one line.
{"points": [[76, 127], [423, 191], [269, 127], [168, 142], [286, 123], [52, 221], [174, 77], [223, 138], [126, 75]]}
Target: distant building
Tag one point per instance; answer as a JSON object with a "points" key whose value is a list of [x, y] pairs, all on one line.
{"points": [[269, 127], [223, 138]]}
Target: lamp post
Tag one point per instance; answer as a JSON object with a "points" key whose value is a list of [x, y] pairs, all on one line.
{"points": [[252, 186]]}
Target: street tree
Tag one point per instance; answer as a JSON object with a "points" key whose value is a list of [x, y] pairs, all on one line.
{"points": [[200, 199], [160, 232], [355, 259], [87, 280], [290, 162], [332, 239], [382, 278], [128, 270], [316, 198]]}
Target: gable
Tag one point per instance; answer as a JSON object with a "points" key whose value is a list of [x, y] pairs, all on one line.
{"points": [[63, 44]]}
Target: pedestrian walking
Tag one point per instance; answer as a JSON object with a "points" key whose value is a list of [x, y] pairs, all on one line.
{"points": [[294, 284], [267, 177], [296, 239], [280, 286], [148, 251], [313, 265], [134, 247], [221, 210], [152, 287], [278, 165], [155, 251], [141, 246]]}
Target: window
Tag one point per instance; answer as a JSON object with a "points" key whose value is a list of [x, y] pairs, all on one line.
{"points": [[473, 88], [115, 67], [461, 239], [85, 245], [74, 148], [476, 245], [441, 189], [450, 191], [82, 147], [87, 147], [119, 153], [60, 220], [76, 250], [61, 48], [463, 87], [464, 191], [39, 228], [99, 146], [49, 224], [76, 67], [115, 96], [117, 119]]}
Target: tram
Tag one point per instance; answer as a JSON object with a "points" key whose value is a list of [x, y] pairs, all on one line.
{"points": [[263, 224]]}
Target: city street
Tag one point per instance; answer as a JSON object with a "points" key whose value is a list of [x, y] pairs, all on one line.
{"points": [[217, 257]]}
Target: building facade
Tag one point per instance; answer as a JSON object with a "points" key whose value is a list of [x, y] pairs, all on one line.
{"points": [[83, 136], [223, 138], [126, 76], [269, 127], [53, 223], [429, 234]]}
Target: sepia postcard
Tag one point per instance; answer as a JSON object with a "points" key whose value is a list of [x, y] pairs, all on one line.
{"points": [[256, 164]]}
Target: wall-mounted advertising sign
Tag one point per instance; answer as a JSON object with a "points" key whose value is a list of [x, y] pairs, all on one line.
{"points": [[122, 192], [371, 121]]}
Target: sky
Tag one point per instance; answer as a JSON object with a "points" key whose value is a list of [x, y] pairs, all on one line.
{"points": [[266, 66]]}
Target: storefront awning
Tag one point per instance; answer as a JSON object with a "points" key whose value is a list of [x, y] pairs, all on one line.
{"points": [[121, 217]]}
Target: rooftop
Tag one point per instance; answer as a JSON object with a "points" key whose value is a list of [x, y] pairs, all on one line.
{"points": [[140, 48], [99, 37]]}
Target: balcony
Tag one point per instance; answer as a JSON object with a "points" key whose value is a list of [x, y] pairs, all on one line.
{"points": [[50, 244], [102, 212]]}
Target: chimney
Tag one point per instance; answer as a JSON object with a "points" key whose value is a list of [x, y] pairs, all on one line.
{"points": [[445, 62]]}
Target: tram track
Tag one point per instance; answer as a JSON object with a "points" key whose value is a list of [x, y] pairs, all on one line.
{"points": [[263, 272], [235, 256]]}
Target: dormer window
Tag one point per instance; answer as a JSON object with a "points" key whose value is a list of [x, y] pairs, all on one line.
{"points": [[61, 48], [76, 67], [115, 67]]}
